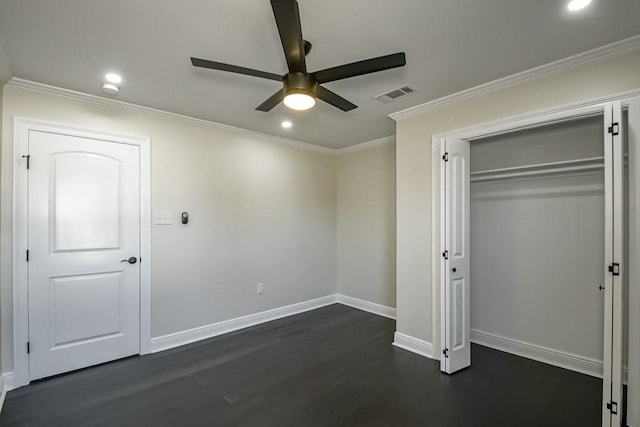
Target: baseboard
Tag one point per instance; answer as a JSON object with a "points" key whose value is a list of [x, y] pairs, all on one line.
{"points": [[413, 344], [371, 307], [189, 336], [562, 359], [6, 385], [3, 392]]}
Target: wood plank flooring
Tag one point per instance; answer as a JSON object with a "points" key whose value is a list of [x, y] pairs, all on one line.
{"points": [[334, 366]]}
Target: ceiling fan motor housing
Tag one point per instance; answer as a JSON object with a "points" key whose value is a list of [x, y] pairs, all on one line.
{"points": [[299, 83], [301, 88]]}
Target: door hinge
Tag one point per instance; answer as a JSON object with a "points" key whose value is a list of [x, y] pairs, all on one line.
{"points": [[28, 348], [613, 407], [28, 157], [614, 269], [445, 157], [446, 352], [27, 255], [614, 129], [445, 254]]}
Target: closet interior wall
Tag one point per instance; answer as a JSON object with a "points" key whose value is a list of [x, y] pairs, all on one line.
{"points": [[537, 237]]}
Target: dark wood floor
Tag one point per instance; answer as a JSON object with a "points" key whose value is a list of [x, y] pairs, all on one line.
{"points": [[333, 366]]}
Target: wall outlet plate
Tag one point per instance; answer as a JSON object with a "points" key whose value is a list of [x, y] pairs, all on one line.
{"points": [[259, 288], [163, 218]]}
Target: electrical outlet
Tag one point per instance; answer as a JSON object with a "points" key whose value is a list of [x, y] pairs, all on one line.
{"points": [[259, 288], [163, 218]]}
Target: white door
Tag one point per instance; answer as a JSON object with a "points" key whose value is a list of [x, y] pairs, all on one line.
{"points": [[456, 299], [83, 221], [612, 401]]}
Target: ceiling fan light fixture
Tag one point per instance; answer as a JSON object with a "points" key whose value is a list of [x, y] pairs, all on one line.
{"points": [[299, 101], [299, 91]]}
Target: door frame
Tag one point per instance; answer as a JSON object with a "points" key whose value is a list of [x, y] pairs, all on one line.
{"points": [[21, 128], [530, 121]]}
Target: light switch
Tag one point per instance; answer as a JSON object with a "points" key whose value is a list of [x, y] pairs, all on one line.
{"points": [[163, 218]]}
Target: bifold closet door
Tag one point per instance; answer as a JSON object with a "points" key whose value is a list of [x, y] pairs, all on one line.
{"points": [[456, 302], [612, 399]]}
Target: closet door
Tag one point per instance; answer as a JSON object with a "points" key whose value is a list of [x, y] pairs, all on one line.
{"points": [[456, 302], [612, 401], [633, 399]]}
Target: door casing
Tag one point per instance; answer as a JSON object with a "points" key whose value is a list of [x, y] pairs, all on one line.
{"points": [[22, 127], [528, 121]]}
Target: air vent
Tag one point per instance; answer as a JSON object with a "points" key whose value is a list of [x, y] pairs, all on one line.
{"points": [[394, 94]]}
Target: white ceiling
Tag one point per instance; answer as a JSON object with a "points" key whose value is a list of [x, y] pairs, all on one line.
{"points": [[451, 45]]}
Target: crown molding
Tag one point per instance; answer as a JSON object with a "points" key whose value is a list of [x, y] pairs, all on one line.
{"points": [[19, 83], [614, 49], [113, 103], [366, 145]]}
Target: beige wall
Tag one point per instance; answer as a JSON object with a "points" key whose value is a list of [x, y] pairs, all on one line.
{"points": [[413, 165], [259, 212], [366, 224]]}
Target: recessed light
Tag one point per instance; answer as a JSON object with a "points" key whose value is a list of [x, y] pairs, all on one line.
{"points": [[110, 89], [113, 78], [287, 124], [578, 4]]}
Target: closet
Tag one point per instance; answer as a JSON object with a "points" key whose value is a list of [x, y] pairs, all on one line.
{"points": [[534, 220], [537, 239]]}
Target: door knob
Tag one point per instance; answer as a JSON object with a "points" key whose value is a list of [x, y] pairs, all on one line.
{"points": [[454, 269], [131, 260]]}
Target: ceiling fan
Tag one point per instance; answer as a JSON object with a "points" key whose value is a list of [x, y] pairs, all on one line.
{"points": [[300, 87]]}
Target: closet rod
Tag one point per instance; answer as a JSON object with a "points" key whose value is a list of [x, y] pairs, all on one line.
{"points": [[552, 168]]}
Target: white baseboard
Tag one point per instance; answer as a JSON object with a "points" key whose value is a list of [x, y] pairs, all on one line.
{"points": [[9, 384], [562, 359], [413, 344], [371, 307], [189, 336], [3, 392], [6, 385]]}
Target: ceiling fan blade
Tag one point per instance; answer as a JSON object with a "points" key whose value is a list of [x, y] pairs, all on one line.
{"points": [[271, 102], [205, 63], [334, 99], [288, 21], [361, 67]]}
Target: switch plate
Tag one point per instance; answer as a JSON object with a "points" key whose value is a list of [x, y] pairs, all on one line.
{"points": [[259, 288], [163, 218]]}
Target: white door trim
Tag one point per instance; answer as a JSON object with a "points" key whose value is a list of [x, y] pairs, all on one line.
{"points": [[526, 121], [633, 269], [21, 128]]}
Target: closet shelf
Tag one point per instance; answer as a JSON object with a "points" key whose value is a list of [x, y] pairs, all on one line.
{"points": [[540, 169]]}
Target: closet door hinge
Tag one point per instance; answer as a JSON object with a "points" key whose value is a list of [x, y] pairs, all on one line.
{"points": [[614, 129], [613, 407], [28, 157], [445, 254], [614, 269], [445, 157], [446, 352]]}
